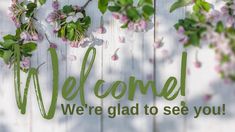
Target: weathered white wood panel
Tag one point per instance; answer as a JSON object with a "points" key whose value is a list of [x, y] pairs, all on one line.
{"points": [[135, 58]]}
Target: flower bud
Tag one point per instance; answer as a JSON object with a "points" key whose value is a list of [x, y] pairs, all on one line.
{"points": [[25, 36], [55, 5], [53, 45], [101, 30], [197, 64]]}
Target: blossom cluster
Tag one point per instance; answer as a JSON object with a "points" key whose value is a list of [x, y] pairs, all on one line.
{"points": [[140, 25], [131, 16], [22, 14], [70, 23], [215, 28], [26, 34]]}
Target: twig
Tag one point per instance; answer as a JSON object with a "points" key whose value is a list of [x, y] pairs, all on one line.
{"points": [[47, 38], [85, 5]]}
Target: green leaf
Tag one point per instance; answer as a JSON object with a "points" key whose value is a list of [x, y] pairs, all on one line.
{"points": [[142, 2], [9, 37], [1, 52], [85, 23], [8, 43], [7, 56], [18, 32], [31, 6], [125, 2], [103, 5], [179, 4], [149, 10], [61, 32], [232, 77], [194, 39], [68, 9], [196, 8], [114, 8], [70, 31], [206, 6], [219, 27], [29, 47], [124, 25], [42, 2], [133, 13]]}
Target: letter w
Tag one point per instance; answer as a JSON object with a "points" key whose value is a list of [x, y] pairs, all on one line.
{"points": [[33, 76]]}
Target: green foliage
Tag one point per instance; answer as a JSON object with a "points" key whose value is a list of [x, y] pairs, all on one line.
{"points": [[30, 9], [7, 48], [42, 2], [179, 4], [143, 2], [133, 14], [68, 9], [73, 30], [220, 27], [199, 5], [115, 8], [192, 30], [103, 5], [142, 10]]}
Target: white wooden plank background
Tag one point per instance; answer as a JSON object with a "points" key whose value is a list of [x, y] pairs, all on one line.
{"points": [[135, 57]]}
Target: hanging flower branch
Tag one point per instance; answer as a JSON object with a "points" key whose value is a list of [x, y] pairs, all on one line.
{"points": [[133, 16], [22, 14], [214, 27], [70, 23]]}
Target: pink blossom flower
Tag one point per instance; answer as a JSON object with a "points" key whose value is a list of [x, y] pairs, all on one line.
{"points": [[207, 97], [197, 64], [224, 10], [116, 15], [230, 21], [74, 44], [218, 69], [115, 57], [17, 24], [159, 43], [184, 39], [34, 37], [130, 26], [181, 30], [55, 5], [25, 63], [101, 30], [121, 39], [123, 18], [214, 16], [53, 16], [143, 25], [64, 39], [53, 45], [62, 16], [25, 36]]}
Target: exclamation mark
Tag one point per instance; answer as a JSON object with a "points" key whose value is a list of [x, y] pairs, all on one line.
{"points": [[223, 109]]}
